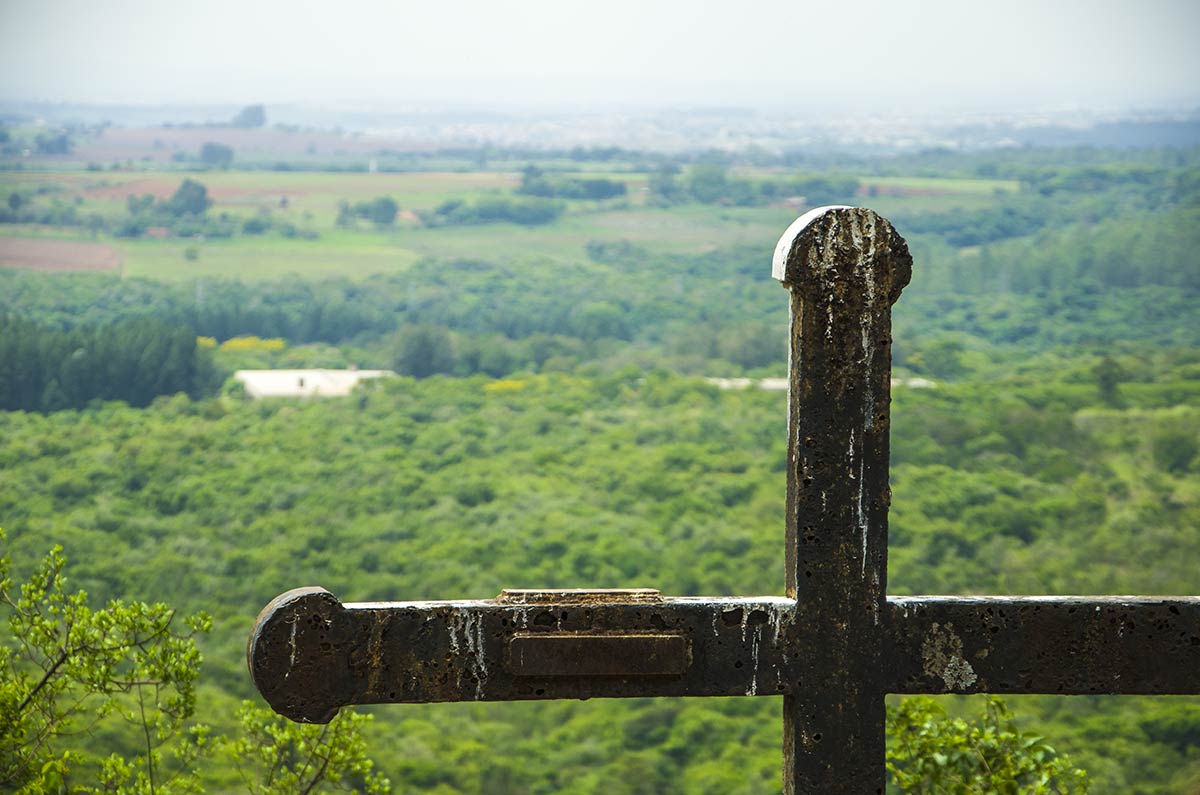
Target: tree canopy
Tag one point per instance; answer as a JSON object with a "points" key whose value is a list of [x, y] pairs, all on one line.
{"points": [[189, 199], [251, 116], [216, 155]]}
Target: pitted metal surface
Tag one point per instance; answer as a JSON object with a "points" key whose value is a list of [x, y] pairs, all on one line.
{"points": [[310, 654], [1081, 645]]}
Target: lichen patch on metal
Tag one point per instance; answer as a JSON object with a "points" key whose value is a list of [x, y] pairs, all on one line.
{"points": [[942, 656]]}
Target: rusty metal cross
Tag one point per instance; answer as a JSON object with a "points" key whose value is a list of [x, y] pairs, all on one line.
{"points": [[833, 646]]}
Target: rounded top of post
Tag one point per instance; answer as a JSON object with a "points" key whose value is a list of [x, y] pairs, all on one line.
{"points": [[839, 239]]}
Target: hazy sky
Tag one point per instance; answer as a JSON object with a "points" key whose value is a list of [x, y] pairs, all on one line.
{"points": [[923, 56]]}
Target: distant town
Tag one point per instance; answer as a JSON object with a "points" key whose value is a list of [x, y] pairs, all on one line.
{"points": [[863, 133]]}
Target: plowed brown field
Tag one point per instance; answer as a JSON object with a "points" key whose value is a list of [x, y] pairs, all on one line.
{"points": [[57, 255]]}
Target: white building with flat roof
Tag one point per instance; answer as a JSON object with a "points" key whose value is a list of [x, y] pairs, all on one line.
{"points": [[304, 383]]}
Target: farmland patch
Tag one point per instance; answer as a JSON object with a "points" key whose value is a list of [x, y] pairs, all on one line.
{"points": [[57, 255]]}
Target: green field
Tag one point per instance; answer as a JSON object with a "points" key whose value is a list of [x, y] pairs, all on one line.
{"points": [[312, 200], [690, 230], [338, 254]]}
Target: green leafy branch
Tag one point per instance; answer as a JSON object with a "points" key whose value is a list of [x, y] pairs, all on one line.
{"points": [[931, 752]]}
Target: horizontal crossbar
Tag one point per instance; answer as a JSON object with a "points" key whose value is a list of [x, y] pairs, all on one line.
{"points": [[310, 654], [1036, 644]]}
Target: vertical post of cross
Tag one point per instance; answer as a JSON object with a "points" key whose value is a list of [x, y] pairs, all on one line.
{"points": [[844, 268]]}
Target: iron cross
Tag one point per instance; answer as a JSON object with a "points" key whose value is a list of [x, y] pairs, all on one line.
{"points": [[833, 646]]}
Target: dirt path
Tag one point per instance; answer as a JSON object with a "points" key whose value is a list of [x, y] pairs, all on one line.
{"points": [[57, 255]]}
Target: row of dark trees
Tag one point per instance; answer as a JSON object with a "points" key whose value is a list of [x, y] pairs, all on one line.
{"points": [[535, 182], [532, 211], [1097, 193], [535, 204], [184, 214], [710, 183], [46, 369], [380, 211]]}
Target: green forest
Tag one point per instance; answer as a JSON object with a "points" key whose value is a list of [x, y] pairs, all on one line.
{"points": [[553, 424]]}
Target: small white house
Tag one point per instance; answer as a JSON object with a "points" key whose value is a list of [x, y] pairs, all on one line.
{"points": [[304, 383]]}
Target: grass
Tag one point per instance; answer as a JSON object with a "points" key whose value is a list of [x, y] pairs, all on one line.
{"points": [[336, 254], [354, 254]]}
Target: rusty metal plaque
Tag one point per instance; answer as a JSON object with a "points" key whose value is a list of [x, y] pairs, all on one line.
{"points": [[550, 596]]}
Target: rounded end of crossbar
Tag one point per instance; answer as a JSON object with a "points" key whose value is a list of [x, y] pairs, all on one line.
{"points": [[292, 636], [829, 243]]}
